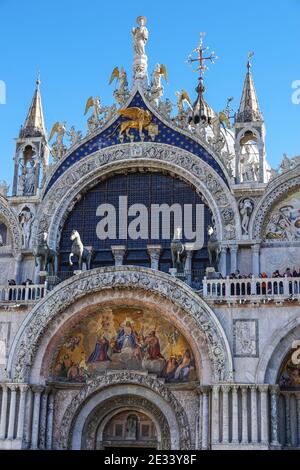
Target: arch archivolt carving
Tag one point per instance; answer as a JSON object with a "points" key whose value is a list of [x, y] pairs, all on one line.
{"points": [[276, 350], [95, 424], [277, 190], [134, 384], [196, 319], [8, 217], [63, 195]]}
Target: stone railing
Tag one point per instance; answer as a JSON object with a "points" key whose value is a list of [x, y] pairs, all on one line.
{"points": [[22, 294], [269, 289]]}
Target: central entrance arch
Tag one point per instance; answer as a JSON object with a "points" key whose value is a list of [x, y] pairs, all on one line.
{"points": [[134, 394]]}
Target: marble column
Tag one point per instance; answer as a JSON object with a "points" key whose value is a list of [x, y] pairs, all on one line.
{"points": [[225, 392], [12, 410], [261, 151], [245, 434], [274, 390], [50, 421], [3, 420], [255, 260], [198, 439], [37, 391], [43, 419], [264, 412], [205, 417], [18, 262], [118, 254], [215, 414], [235, 415], [21, 415], [254, 418], [233, 258], [298, 418], [28, 418], [287, 407], [154, 252], [188, 265], [223, 261]]}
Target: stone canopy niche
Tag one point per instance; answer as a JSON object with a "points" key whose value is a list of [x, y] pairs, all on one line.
{"points": [[124, 338]]}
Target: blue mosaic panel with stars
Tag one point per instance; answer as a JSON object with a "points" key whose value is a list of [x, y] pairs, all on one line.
{"points": [[110, 137]]}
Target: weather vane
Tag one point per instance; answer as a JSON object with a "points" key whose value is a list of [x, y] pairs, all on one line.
{"points": [[202, 58]]}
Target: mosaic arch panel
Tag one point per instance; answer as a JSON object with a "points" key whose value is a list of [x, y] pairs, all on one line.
{"points": [[123, 338], [284, 221], [289, 377]]}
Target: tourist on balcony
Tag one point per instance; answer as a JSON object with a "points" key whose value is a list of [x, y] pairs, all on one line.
{"points": [[264, 284]]}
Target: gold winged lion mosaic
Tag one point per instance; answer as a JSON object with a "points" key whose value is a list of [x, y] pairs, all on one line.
{"points": [[138, 118]]}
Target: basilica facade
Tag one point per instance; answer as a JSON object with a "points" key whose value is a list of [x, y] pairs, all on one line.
{"points": [[150, 275]]}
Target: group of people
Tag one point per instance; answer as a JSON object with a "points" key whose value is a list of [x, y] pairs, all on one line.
{"points": [[276, 274], [19, 294], [28, 282]]}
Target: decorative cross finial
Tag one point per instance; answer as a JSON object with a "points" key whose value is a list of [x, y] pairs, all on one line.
{"points": [[249, 64], [201, 58]]}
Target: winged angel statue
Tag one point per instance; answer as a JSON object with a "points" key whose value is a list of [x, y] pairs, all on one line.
{"points": [[156, 90], [58, 148], [121, 93], [95, 121]]}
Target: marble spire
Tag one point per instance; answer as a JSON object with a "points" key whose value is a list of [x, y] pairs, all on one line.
{"points": [[34, 125], [249, 110]]}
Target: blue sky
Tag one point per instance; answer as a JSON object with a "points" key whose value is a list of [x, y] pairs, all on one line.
{"points": [[77, 44]]}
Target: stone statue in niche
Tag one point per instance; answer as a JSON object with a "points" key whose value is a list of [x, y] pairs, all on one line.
{"points": [[26, 219], [246, 209], [249, 165], [213, 247], [27, 179], [3, 234], [4, 188], [178, 252], [132, 427]]}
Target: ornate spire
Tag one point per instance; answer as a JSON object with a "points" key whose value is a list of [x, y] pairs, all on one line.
{"points": [[34, 124], [249, 110], [201, 110]]}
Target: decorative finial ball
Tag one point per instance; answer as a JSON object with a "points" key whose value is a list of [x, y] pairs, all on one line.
{"points": [[141, 20]]}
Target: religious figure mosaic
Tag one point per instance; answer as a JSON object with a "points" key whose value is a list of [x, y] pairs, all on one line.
{"points": [[125, 339], [290, 375], [284, 223]]}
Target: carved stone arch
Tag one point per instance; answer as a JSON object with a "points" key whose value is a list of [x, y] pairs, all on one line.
{"points": [[117, 384], [197, 320], [104, 163], [246, 129], [108, 409], [277, 190], [8, 217], [276, 350]]}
